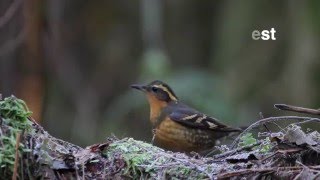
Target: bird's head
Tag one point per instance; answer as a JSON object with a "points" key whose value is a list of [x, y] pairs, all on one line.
{"points": [[159, 94], [157, 91]]}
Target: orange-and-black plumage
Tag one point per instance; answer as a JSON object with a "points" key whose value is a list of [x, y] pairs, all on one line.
{"points": [[179, 127]]}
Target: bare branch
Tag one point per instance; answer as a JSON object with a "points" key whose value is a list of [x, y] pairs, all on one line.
{"points": [[16, 160], [286, 107]]}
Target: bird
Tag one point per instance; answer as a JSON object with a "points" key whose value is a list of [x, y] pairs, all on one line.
{"points": [[178, 127]]}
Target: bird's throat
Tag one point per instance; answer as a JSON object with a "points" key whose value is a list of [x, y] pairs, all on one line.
{"points": [[156, 108]]}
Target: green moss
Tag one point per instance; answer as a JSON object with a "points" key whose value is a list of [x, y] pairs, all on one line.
{"points": [[144, 160], [136, 154], [14, 120]]}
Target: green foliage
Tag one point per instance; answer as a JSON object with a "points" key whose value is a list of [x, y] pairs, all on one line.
{"points": [[265, 145], [247, 140], [14, 118]]}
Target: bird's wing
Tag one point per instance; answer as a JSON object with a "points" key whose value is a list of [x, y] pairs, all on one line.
{"points": [[194, 119]]}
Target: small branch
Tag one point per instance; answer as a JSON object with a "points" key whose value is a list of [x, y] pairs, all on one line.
{"points": [[286, 107], [16, 160], [234, 151], [286, 151], [293, 169]]}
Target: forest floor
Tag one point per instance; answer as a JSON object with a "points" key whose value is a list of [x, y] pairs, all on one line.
{"points": [[27, 151]]}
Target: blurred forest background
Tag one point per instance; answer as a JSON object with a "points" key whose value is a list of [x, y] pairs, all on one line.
{"points": [[73, 61]]}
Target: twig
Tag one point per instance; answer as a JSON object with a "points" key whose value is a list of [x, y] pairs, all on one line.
{"points": [[306, 121], [21, 168], [231, 152], [295, 169], [154, 131], [1, 135], [281, 152], [265, 126], [16, 160], [271, 119], [286, 107], [278, 126], [160, 166]]}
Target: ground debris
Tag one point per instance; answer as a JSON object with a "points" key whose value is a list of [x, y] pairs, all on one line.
{"points": [[295, 135], [290, 153]]}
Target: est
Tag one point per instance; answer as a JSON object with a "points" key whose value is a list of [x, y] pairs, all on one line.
{"points": [[264, 35]]}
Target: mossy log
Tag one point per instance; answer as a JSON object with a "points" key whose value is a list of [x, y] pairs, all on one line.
{"points": [[29, 152]]}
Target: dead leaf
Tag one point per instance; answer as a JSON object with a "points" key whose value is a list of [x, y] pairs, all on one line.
{"points": [[297, 136]]}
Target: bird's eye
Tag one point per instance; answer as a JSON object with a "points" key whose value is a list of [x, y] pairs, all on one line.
{"points": [[154, 89]]}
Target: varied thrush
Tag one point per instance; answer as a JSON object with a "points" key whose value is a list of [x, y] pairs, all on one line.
{"points": [[178, 127]]}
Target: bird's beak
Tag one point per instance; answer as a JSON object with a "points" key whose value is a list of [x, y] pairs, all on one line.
{"points": [[139, 87]]}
